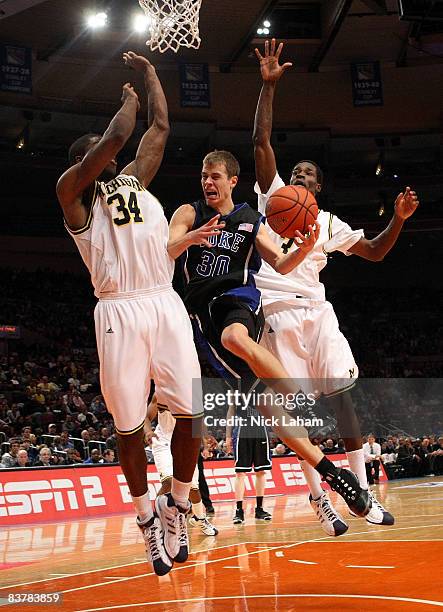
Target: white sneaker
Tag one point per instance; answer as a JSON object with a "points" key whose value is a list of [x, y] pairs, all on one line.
{"points": [[175, 529], [378, 515], [331, 521], [155, 550], [206, 527]]}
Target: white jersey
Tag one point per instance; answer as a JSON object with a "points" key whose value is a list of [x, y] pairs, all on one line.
{"points": [[304, 280], [124, 241]]}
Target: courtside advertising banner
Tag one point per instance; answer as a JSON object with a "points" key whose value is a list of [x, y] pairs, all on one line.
{"points": [[53, 494]]}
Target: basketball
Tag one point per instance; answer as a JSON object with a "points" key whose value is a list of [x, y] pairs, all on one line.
{"points": [[291, 208]]}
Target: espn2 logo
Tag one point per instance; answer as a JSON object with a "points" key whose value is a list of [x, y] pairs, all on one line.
{"points": [[34, 496]]}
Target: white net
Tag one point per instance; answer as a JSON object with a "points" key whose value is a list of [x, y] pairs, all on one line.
{"points": [[172, 23]]}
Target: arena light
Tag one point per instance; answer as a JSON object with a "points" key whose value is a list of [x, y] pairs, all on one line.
{"points": [[97, 20], [267, 23], [141, 22], [266, 31], [260, 31], [379, 169]]}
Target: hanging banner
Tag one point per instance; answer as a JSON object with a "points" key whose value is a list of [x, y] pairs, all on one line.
{"points": [[194, 85], [15, 69], [366, 84]]}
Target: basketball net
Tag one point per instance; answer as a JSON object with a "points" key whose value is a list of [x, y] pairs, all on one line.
{"points": [[172, 24]]}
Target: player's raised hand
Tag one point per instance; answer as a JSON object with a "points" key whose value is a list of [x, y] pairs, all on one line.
{"points": [[270, 68], [200, 235], [406, 203], [128, 93], [138, 62], [307, 243]]}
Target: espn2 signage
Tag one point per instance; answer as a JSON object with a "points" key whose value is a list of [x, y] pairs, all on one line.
{"points": [[49, 495]]}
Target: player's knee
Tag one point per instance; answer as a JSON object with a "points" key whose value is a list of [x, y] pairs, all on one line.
{"points": [[233, 340]]}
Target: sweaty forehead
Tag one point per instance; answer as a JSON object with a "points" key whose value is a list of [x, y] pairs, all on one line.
{"points": [[304, 166]]}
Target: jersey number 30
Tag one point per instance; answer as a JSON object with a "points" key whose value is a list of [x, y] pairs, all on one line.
{"points": [[211, 265], [129, 210]]}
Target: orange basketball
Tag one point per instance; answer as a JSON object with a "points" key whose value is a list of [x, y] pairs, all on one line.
{"points": [[291, 208]]}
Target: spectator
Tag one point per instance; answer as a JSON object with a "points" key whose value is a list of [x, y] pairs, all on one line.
{"points": [[22, 458], [65, 441], [372, 454], [329, 447], [31, 450], [108, 456], [72, 456], [279, 450], [9, 459], [436, 457], [95, 456], [44, 457]]}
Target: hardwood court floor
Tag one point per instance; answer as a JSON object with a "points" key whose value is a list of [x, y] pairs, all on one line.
{"points": [[288, 564]]}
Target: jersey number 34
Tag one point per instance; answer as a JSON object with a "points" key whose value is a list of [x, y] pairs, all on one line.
{"points": [[128, 211]]}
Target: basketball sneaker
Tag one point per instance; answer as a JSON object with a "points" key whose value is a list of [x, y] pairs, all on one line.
{"points": [[330, 520], [173, 521], [154, 543], [378, 515], [346, 484], [205, 526], [262, 515], [239, 517]]}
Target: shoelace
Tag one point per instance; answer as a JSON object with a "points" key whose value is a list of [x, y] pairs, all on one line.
{"points": [[182, 536], [153, 542], [328, 511], [375, 501]]}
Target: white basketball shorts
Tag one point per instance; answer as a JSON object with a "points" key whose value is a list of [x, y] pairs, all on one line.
{"points": [[161, 448], [142, 336], [310, 346]]}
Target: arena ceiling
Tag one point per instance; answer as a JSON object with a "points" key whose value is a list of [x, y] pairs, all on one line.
{"points": [[320, 36]]}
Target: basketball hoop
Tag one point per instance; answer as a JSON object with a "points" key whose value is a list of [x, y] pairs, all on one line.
{"points": [[172, 24]]}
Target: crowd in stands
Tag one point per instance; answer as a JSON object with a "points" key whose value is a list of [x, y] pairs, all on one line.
{"points": [[52, 412]]}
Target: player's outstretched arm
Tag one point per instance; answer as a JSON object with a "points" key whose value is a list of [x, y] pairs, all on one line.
{"points": [[152, 146], [376, 249], [79, 177], [181, 234], [271, 71], [286, 263]]}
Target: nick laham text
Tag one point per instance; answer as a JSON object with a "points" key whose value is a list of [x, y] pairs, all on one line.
{"points": [[259, 420]]}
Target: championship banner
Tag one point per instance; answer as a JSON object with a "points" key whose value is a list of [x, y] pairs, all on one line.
{"points": [[15, 69], [366, 84], [57, 494], [194, 85]]}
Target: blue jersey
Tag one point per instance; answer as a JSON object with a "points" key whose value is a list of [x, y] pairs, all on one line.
{"points": [[228, 267]]}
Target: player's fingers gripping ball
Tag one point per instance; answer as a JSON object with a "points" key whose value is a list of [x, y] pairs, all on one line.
{"points": [[291, 208]]}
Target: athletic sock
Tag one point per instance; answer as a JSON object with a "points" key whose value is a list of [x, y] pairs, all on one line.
{"points": [[239, 505], [313, 479], [198, 510], [259, 501], [180, 492], [143, 507], [326, 468], [356, 460]]}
